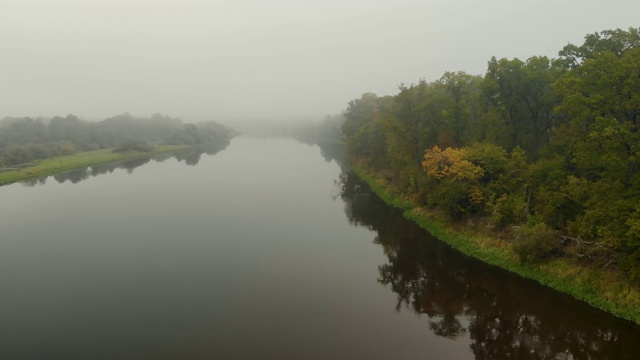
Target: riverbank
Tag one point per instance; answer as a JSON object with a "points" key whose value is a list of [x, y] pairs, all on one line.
{"points": [[60, 164], [606, 290]]}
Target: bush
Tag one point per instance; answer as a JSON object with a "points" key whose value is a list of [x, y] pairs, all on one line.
{"points": [[631, 266], [508, 209], [535, 244], [38, 151], [133, 145], [67, 148], [15, 155]]}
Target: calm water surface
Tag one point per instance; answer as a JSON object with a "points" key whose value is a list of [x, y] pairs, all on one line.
{"points": [[267, 250]]}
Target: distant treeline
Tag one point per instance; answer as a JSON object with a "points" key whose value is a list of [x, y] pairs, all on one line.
{"points": [[25, 139], [549, 145], [326, 130], [326, 134]]}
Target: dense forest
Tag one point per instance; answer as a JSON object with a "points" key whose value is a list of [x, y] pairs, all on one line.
{"points": [[545, 151], [26, 139]]}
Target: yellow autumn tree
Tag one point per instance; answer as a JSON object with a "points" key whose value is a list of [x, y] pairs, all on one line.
{"points": [[458, 178], [451, 163]]}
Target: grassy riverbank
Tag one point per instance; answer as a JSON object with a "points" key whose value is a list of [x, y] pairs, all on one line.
{"points": [[65, 163], [606, 290]]}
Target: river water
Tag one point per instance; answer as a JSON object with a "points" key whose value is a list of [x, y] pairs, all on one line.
{"points": [[266, 250]]}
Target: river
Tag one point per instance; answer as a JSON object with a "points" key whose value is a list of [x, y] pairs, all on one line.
{"points": [[266, 250]]}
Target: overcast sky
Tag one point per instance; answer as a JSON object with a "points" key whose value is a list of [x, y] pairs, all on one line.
{"points": [[224, 60]]}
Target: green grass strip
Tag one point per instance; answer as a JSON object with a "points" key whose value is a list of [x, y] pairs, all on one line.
{"points": [[384, 192], [60, 164]]}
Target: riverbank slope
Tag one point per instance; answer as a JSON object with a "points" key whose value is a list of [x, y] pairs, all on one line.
{"points": [[606, 290]]}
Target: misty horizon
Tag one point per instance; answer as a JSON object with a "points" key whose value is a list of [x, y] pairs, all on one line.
{"points": [[283, 60]]}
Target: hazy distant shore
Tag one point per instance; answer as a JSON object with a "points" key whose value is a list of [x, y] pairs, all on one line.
{"points": [[60, 164]]}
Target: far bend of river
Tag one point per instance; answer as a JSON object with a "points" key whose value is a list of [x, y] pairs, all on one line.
{"points": [[265, 250]]}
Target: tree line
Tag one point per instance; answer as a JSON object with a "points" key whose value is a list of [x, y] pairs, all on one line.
{"points": [[25, 139], [547, 145]]}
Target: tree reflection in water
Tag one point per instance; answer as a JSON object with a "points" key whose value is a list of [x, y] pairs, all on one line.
{"points": [[504, 316]]}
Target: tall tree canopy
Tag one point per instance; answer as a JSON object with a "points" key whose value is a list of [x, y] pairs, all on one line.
{"points": [[536, 141]]}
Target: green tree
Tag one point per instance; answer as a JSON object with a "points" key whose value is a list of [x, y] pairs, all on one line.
{"points": [[520, 94], [615, 41], [460, 106]]}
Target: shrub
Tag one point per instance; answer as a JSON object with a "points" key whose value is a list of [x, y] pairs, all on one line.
{"points": [[536, 243], [133, 145], [508, 209], [631, 266], [67, 148], [16, 154]]}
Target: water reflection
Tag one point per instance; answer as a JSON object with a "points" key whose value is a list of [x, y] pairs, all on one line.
{"points": [[190, 156], [504, 316], [334, 151]]}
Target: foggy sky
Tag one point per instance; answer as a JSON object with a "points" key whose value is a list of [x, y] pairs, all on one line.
{"points": [[226, 60]]}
